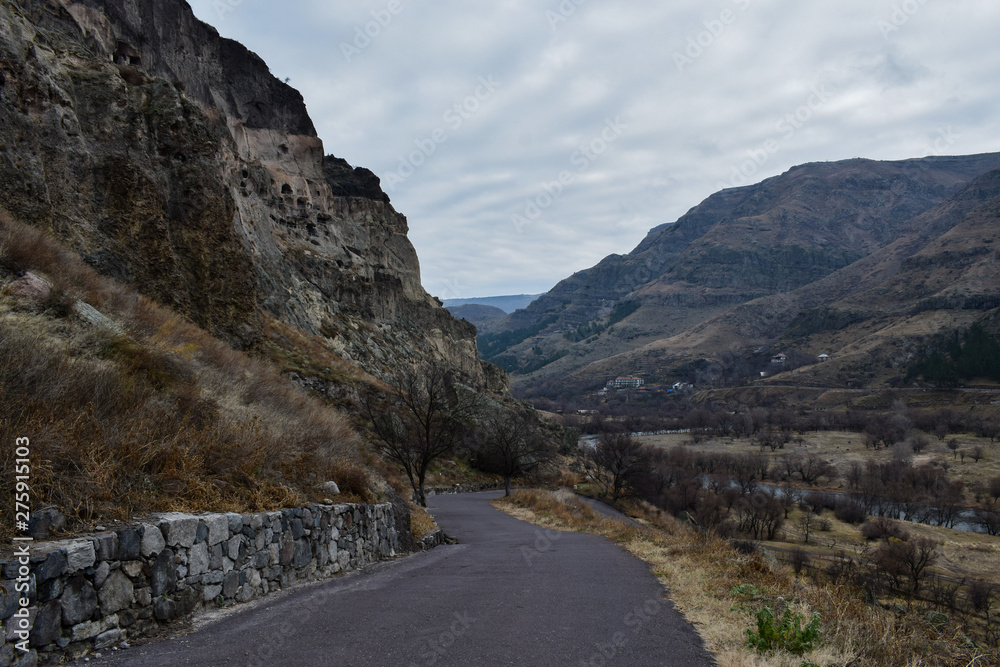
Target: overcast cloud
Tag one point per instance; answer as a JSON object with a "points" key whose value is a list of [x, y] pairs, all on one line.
{"points": [[526, 140]]}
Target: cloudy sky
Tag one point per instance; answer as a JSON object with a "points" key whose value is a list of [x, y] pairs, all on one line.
{"points": [[527, 139]]}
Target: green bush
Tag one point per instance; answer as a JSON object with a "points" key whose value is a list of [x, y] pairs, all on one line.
{"points": [[785, 633]]}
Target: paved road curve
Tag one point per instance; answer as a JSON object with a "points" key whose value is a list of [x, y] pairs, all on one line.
{"points": [[508, 594]]}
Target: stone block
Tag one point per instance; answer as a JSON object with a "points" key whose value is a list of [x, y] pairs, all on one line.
{"points": [[79, 601], [235, 523], [179, 530], [303, 554], [163, 577], [80, 555], [218, 528], [47, 626], [107, 546], [117, 593], [230, 585], [53, 566], [91, 629], [152, 541], [129, 544], [143, 597], [101, 573], [133, 568], [198, 559], [209, 593], [109, 639], [164, 609], [215, 558]]}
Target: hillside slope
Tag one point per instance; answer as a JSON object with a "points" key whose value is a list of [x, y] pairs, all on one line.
{"points": [[171, 158], [736, 270]]}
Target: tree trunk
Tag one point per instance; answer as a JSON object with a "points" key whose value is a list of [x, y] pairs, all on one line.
{"points": [[506, 485], [420, 497]]}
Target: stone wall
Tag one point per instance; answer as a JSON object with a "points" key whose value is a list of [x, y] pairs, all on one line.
{"points": [[94, 593]]}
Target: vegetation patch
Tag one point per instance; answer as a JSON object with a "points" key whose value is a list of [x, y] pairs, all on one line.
{"points": [[148, 412]]}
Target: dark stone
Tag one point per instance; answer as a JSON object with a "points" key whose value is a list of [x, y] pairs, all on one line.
{"points": [[188, 602], [215, 558], [164, 609], [287, 553], [107, 546], [261, 559], [43, 523], [249, 532], [303, 554], [50, 589], [47, 626], [298, 530], [78, 600], [9, 599], [163, 578], [129, 544], [231, 584], [52, 567], [202, 534]]}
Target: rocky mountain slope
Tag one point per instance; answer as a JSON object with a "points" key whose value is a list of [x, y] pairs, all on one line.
{"points": [[737, 270], [172, 159], [479, 315]]}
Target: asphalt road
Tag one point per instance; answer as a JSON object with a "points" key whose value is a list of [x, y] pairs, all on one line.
{"points": [[508, 594]]}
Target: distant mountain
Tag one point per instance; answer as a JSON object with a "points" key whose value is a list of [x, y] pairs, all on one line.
{"points": [[821, 248], [508, 304], [477, 314]]}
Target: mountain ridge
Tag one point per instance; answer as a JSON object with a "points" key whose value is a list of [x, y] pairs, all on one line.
{"points": [[746, 250]]}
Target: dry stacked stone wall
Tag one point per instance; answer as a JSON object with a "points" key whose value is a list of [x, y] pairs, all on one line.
{"points": [[93, 593]]}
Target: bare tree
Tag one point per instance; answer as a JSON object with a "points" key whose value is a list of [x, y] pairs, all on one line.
{"points": [[953, 445], [419, 419], [807, 524], [907, 559], [508, 443], [617, 463]]}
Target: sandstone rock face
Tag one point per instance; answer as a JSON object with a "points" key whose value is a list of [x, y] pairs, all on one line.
{"points": [[170, 157]]}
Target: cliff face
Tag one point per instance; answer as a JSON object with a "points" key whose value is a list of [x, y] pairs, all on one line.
{"points": [[171, 157]]}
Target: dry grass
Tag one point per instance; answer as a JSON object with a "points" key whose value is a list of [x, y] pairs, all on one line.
{"points": [[421, 522], [702, 573], [161, 417]]}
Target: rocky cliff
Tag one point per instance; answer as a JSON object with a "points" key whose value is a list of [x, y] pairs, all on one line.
{"points": [[171, 158]]}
